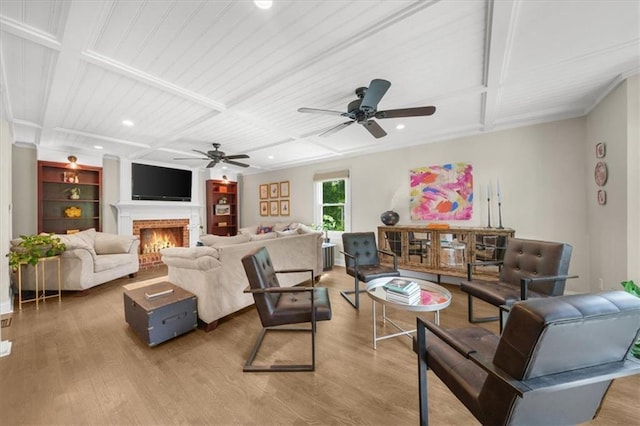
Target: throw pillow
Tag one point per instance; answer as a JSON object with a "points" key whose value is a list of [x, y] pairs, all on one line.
{"points": [[264, 229]]}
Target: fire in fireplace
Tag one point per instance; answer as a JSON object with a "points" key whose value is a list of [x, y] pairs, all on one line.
{"points": [[156, 235], [153, 240]]}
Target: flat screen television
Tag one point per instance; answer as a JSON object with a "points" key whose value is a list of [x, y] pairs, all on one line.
{"points": [[160, 183]]}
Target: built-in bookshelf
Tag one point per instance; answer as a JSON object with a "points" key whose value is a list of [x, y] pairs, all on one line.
{"points": [[222, 207], [69, 200]]}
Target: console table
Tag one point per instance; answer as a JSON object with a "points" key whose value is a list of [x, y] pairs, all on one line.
{"points": [[444, 251]]}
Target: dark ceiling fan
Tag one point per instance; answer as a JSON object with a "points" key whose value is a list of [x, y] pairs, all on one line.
{"points": [[364, 109], [217, 156]]}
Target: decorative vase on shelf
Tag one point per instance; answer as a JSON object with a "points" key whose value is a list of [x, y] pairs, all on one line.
{"points": [[389, 217]]}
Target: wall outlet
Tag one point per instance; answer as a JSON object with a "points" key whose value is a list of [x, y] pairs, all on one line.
{"points": [[601, 283]]}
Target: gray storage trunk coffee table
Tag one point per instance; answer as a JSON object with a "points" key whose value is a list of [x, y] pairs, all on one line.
{"points": [[159, 312]]}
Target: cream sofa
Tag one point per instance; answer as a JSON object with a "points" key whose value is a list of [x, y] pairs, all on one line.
{"points": [[214, 272], [91, 258]]}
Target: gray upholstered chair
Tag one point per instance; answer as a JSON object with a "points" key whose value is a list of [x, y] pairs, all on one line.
{"points": [[553, 364], [362, 262], [529, 269], [278, 307]]}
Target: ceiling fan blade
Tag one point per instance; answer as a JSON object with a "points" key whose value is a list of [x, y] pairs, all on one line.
{"points": [[192, 158], [375, 92], [235, 163], [211, 164], [374, 128], [321, 111], [234, 157], [336, 128], [200, 152], [406, 112]]}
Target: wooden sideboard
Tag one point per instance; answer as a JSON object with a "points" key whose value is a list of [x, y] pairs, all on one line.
{"points": [[444, 251]]}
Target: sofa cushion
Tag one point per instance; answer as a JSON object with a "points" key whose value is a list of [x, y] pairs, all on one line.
{"points": [[304, 229], [267, 236], [287, 233], [80, 240], [199, 258], [112, 243], [110, 261], [219, 241]]}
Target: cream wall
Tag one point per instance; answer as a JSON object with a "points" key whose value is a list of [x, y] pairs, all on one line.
{"points": [[613, 227], [110, 196], [6, 141], [25, 190], [541, 170]]}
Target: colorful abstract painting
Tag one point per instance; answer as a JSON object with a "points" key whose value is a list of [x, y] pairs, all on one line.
{"points": [[442, 192]]}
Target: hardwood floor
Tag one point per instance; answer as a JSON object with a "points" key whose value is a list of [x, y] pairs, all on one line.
{"points": [[79, 363]]}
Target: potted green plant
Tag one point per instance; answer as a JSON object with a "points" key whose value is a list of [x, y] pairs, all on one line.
{"points": [[33, 247], [632, 288], [328, 224]]}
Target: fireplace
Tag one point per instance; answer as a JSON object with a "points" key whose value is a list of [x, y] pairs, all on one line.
{"points": [[157, 234]]}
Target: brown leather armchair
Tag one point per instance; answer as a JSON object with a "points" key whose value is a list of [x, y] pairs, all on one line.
{"points": [[280, 306], [529, 269], [362, 262], [553, 364]]}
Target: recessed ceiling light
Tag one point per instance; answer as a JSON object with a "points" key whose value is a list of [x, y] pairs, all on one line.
{"points": [[265, 4], [97, 146], [271, 157], [400, 126], [127, 123], [224, 167]]}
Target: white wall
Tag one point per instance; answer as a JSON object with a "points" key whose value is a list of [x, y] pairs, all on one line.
{"points": [[24, 184], [541, 170], [6, 141]]}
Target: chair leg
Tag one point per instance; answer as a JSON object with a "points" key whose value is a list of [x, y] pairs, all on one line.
{"points": [[475, 320], [355, 302], [249, 367]]}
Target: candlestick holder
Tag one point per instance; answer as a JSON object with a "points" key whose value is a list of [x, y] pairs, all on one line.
{"points": [[488, 212], [500, 216]]}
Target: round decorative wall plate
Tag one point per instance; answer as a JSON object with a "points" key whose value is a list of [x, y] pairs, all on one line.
{"points": [[600, 173]]}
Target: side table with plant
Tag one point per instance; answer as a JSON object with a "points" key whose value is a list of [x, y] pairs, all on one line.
{"points": [[33, 247]]}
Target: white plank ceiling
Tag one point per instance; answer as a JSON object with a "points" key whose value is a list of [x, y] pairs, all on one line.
{"points": [[189, 73]]}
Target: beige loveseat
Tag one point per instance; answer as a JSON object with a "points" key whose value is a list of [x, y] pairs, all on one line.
{"points": [[91, 258], [214, 272]]}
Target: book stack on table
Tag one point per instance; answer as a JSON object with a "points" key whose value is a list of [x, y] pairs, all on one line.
{"points": [[403, 291]]}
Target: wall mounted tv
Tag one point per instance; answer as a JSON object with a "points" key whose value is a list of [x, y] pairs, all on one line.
{"points": [[160, 183]]}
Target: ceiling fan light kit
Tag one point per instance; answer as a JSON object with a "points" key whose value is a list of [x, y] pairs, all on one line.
{"points": [[364, 109]]}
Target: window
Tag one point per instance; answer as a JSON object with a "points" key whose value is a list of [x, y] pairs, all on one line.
{"points": [[332, 194]]}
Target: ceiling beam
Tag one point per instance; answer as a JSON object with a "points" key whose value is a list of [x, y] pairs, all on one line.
{"points": [[501, 17]]}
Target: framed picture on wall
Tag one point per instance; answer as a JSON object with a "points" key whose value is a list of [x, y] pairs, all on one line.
{"points": [[273, 208], [264, 191], [284, 189], [601, 150], [284, 207], [273, 190], [264, 208], [602, 197]]}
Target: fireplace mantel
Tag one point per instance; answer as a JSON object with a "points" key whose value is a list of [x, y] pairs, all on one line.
{"points": [[148, 210]]}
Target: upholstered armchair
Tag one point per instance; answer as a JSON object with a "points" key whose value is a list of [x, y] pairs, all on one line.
{"points": [[529, 269], [279, 307], [552, 365], [362, 262]]}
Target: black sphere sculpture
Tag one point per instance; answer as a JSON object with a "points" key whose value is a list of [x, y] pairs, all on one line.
{"points": [[389, 217]]}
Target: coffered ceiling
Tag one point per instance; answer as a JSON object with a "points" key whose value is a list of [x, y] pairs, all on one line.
{"points": [[189, 73]]}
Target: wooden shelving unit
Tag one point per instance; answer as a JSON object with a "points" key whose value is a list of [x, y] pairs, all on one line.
{"points": [[222, 207], [55, 181]]}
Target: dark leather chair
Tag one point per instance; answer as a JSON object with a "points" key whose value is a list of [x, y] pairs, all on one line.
{"points": [[529, 269], [362, 262], [552, 365], [280, 306]]}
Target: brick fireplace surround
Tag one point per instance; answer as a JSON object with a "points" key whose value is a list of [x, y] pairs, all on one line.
{"points": [[151, 259]]}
